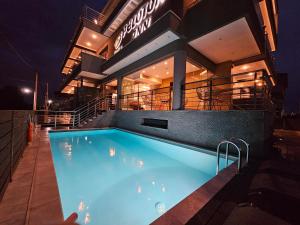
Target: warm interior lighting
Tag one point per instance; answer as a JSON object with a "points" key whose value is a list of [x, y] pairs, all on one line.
{"points": [[95, 21], [89, 44], [94, 36], [245, 67], [50, 101], [166, 63]]}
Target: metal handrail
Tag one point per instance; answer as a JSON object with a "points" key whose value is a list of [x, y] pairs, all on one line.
{"points": [[246, 144], [75, 117], [226, 156], [93, 16]]}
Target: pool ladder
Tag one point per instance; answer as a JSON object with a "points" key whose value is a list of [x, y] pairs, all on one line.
{"points": [[233, 142]]}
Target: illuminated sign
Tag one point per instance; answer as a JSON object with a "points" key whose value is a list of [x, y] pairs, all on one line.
{"points": [[138, 23]]}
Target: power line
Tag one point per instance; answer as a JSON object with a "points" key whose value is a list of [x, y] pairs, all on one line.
{"points": [[18, 54]]}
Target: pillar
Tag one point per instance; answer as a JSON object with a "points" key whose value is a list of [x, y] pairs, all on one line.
{"points": [[179, 80], [119, 93]]}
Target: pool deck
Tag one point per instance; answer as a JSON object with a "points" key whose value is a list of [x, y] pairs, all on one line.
{"points": [[32, 198]]}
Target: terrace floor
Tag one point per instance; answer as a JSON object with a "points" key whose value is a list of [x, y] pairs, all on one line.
{"points": [[33, 188], [267, 192]]}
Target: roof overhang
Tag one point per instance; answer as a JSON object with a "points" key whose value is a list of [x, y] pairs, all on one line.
{"points": [[159, 42], [229, 43], [121, 14], [86, 40]]}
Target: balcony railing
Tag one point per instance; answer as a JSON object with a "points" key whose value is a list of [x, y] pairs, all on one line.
{"points": [[156, 99], [93, 16], [246, 91]]}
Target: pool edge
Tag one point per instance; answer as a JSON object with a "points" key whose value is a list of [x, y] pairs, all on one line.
{"points": [[186, 209]]}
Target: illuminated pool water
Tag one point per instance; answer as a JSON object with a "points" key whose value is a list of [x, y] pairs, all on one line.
{"points": [[119, 178]]}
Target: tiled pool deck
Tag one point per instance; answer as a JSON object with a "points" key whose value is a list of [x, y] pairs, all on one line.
{"points": [[32, 198]]}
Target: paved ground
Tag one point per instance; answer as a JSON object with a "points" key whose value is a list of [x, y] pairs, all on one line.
{"points": [[265, 193], [33, 189]]}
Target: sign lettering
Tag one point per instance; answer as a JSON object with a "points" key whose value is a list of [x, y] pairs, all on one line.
{"points": [[138, 23]]}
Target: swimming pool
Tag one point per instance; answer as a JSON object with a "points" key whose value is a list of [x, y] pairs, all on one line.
{"points": [[121, 178]]}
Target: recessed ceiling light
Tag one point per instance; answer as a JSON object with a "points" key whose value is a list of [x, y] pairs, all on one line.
{"points": [[88, 44], [153, 67], [245, 67], [166, 63], [144, 71], [94, 36], [168, 72]]}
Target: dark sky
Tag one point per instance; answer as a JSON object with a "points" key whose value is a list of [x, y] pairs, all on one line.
{"points": [[40, 30]]}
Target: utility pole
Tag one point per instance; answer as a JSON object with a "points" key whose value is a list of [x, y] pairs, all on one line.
{"points": [[35, 91], [46, 97]]}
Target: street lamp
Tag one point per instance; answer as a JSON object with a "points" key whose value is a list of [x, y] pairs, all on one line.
{"points": [[26, 90]]}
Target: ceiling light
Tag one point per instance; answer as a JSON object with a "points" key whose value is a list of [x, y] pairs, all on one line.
{"points": [[95, 21], [245, 67], [168, 72], [144, 71], [88, 44], [153, 67], [166, 63]]}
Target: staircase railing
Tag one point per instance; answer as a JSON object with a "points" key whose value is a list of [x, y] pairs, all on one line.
{"points": [[77, 117]]}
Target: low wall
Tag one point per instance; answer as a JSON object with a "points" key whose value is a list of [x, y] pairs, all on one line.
{"points": [[13, 140], [200, 128]]}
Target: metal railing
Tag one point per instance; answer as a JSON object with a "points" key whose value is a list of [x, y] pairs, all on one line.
{"points": [[13, 140], [234, 142], [245, 91], [76, 118], [156, 99], [93, 16]]}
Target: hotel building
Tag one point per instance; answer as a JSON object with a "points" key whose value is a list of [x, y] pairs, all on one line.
{"points": [[168, 64]]}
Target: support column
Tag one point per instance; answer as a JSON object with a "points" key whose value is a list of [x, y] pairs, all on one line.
{"points": [[221, 101], [179, 80], [119, 93]]}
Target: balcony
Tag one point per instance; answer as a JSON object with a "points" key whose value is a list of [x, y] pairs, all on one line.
{"points": [[245, 91], [235, 31], [87, 39]]}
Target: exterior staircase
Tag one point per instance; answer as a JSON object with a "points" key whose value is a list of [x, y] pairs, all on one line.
{"points": [[81, 117]]}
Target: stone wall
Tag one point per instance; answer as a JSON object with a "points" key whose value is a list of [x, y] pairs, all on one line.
{"points": [[13, 140], [200, 128]]}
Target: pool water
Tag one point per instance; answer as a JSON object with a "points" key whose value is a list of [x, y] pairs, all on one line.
{"points": [[120, 178]]}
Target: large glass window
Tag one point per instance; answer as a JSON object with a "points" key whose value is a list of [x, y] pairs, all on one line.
{"points": [[149, 88]]}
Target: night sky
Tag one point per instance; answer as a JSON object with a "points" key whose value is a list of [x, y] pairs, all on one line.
{"points": [[41, 30]]}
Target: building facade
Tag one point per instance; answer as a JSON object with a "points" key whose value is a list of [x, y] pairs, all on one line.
{"points": [[175, 55], [193, 71]]}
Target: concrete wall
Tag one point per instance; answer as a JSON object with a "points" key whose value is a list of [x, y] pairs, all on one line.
{"points": [[13, 140], [201, 128]]}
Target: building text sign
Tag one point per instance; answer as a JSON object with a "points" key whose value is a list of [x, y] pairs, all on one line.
{"points": [[138, 23]]}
